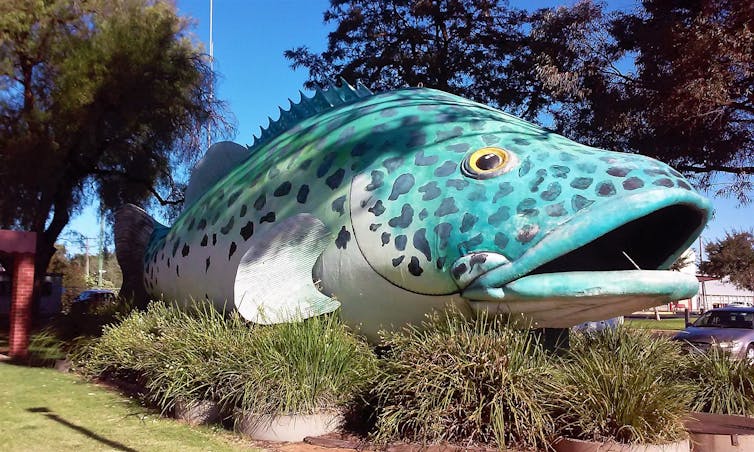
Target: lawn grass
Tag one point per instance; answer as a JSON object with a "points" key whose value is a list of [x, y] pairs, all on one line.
{"points": [[652, 324], [43, 409]]}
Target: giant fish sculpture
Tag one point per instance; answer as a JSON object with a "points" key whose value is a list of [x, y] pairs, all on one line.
{"points": [[395, 204]]}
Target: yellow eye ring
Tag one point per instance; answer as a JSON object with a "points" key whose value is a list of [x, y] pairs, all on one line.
{"points": [[487, 162]]}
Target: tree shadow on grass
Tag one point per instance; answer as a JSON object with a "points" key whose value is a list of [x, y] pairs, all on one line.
{"points": [[110, 443]]}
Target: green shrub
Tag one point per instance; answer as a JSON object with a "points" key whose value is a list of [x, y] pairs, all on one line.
{"points": [[622, 385], [722, 385], [465, 382]]}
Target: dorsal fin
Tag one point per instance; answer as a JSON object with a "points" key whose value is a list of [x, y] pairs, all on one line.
{"points": [[322, 100], [221, 158]]}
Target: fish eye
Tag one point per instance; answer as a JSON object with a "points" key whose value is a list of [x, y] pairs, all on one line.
{"points": [[487, 162]]}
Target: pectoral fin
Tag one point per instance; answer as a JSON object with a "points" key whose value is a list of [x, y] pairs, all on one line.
{"points": [[274, 278]]}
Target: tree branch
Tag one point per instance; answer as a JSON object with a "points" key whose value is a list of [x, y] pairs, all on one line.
{"points": [[144, 182], [721, 168]]}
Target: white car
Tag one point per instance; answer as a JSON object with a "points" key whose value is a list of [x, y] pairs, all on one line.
{"points": [[741, 304]]}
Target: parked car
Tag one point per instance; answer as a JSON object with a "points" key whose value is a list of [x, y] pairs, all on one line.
{"points": [[731, 329], [741, 304], [89, 300]]}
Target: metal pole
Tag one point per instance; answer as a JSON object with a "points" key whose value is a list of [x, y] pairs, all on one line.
{"points": [[101, 247]]}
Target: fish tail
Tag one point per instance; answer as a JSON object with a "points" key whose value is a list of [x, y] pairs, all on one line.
{"points": [[133, 230]]}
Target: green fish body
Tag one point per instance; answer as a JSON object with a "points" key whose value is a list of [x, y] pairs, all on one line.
{"points": [[395, 204]]}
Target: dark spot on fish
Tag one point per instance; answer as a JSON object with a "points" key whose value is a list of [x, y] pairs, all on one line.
{"points": [[477, 259], [420, 243], [534, 184], [605, 189], [232, 249], [555, 210], [632, 183], [502, 214], [269, 217], [204, 240], [327, 162], [377, 180], [443, 233], [385, 238], [456, 131], [343, 238], [458, 184], [374, 226], [683, 184], [178, 271], [414, 268], [527, 233], [430, 190], [528, 207], [552, 192], [185, 250], [247, 231], [441, 262], [168, 263], [202, 224], [618, 171], [260, 202], [459, 147], [214, 239], [447, 206], [423, 214], [586, 167], [401, 186], [361, 148], [191, 224], [405, 219], [664, 182], [175, 247], [305, 164], [416, 138], [581, 182], [656, 172], [501, 240], [459, 270], [424, 160], [225, 229], [206, 264], [303, 193], [243, 210], [579, 202], [525, 167], [466, 246], [217, 217], [377, 209], [504, 189], [334, 180], [339, 205], [566, 157], [559, 171], [491, 139], [478, 194], [283, 189], [397, 261], [446, 169], [392, 164], [468, 222], [400, 242]]}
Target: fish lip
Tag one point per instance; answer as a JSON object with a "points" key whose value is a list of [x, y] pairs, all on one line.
{"points": [[581, 230]]}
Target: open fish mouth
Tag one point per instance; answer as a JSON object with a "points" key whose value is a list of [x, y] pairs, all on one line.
{"points": [[601, 264]]}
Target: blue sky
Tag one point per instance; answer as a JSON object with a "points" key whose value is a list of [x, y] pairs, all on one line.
{"points": [[250, 37]]}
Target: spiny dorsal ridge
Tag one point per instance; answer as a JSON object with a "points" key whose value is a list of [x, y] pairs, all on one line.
{"points": [[322, 100]]}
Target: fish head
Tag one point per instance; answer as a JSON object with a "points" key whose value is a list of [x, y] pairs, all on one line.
{"points": [[468, 200]]}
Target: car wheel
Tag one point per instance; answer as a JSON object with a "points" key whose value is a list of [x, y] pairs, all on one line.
{"points": [[750, 354]]}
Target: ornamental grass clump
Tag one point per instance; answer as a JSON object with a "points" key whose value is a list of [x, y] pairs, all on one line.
{"points": [[721, 385], [464, 382], [621, 385]]}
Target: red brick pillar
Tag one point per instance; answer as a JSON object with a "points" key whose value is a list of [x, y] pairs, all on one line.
{"points": [[20, 305]]}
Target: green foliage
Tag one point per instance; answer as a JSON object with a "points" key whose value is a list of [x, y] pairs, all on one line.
{"points": [[203, 354], [621, 385], [732, 256], [722, 385], [100, 97], [465, 382]]}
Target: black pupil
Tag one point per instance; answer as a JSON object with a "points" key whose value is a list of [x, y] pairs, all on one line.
{"points": [[488, 162]]}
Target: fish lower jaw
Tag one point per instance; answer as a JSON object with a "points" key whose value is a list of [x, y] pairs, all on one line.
{"points": [[561, 300]]}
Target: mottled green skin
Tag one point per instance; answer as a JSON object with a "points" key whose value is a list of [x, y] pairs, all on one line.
{"points": [[384, 174]]}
